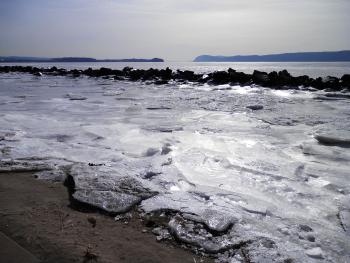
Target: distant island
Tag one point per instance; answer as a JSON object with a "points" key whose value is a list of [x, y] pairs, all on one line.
{"points": [[333, 56], [73, 59]]}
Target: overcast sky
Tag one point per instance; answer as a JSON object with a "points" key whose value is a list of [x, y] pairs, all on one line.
{"points": [[171, 29]]}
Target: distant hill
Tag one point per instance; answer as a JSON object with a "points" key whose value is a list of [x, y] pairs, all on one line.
{"points": [[333, 56], [73, 59]]}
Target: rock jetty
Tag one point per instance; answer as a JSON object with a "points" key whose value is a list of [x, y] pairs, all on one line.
{"points": [[275, 80]]}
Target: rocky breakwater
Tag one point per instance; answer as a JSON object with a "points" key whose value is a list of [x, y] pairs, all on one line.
{"points": [[275, 80]]}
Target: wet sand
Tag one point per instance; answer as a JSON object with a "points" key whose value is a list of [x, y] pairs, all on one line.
{"points": [[36, 214]]}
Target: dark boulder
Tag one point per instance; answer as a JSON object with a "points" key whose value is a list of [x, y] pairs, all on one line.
{"points": [[117, 77], [331, 83], [165, 74], [219, 77], [302, 81], [89, 72], [51, 70], [62, 72], [241, 78], [261, 78], [273, 78], [149, 74], [161, 82], [127, 70], [75, 73], [136, 74], [284, 78], [186, 75], [5, 69], [255, 107], [317, 84], [345, 80], [105, 71]]}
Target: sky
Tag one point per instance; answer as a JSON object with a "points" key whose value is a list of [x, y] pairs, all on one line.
{"points": [[176, 30]]}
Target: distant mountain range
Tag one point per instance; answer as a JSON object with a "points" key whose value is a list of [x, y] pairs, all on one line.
{"points": [[74, 59], [333, 56]]}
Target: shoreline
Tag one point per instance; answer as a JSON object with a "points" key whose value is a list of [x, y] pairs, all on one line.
{"points": [[37, 215], [274, 80]]}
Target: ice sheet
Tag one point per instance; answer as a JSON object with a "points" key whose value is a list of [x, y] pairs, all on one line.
{"points": [[256, 178]]}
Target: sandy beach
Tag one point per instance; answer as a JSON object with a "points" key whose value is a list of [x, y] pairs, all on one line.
{"points": [[36, 214]]}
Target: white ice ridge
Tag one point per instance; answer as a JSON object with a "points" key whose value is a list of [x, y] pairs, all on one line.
{"points": [[273, 180]]}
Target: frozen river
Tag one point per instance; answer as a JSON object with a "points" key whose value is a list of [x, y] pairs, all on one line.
{"points": [[262, 170]]}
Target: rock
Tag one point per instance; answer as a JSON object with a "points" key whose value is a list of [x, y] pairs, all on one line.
{"points": [[106, 72], [305, 228], [186, 75], [315, 253], [310, 238], [255, 107], [284, 78], [165, 74], [219, 77], [149, 74], [302, 81], [331, 83], [196, 235], [62, 72], [212, 221], [161, 233], [71, 96], [337, 95], [317, 84], [330, 140], [345, 80], [75, 73], [261, 78], [150, 174], [273, 78], [127, 70], [136, 74], [161, 82], [240, 77], [159, 108]]}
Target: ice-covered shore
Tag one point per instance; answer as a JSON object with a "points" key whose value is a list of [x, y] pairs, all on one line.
{"points": [[247, 173]]}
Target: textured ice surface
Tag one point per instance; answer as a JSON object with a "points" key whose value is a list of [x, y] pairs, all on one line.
{"points": [[111, 190], [272, 183]]}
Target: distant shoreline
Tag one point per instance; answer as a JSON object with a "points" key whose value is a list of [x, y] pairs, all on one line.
{"points": [[332, 56], [14, 59]]}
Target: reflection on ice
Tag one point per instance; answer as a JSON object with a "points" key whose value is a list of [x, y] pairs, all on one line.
{"points": [[245, 90], [274, 181]]}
